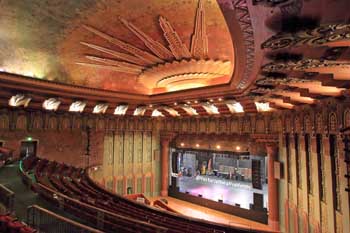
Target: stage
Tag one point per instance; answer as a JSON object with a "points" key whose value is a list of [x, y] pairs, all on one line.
{"points": [[200, 212], [231, 192]]}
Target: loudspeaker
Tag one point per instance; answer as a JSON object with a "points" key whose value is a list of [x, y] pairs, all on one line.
{"points": [[258, 200]]}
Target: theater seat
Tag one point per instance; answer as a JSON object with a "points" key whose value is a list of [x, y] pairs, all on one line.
{"points": [[14, 227]]}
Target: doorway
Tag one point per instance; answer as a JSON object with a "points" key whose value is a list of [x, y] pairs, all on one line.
{"points": [[28, 148]]}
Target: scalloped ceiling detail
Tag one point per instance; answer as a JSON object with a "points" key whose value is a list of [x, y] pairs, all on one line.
{"points": [[161, 67]]}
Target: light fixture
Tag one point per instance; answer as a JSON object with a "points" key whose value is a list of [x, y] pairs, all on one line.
{"points": [[197, 145], [77, 106], [196, 101], [175, 103], [262, 106], [238, 148], [171, 111], [151, 106], [220, 99], [234, 106], [189, 110], [182, 144], [51, 104], [188, 102], [100, 108], [19, 100], [29, 139], [211, 100], [210, 108], [218, 146], [140, 111], [121, 109], [156, 113]]}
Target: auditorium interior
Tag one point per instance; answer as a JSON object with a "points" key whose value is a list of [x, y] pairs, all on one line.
{"points": [[242, 125]]}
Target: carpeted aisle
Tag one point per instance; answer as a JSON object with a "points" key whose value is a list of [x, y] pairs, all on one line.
{"points": [[24, 197]]}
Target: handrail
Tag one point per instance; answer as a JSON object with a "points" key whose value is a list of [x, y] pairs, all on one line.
{"points": [[7, 197], [145, 224], [58, 217]]}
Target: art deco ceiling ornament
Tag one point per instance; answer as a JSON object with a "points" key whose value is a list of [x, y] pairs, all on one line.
{"points": [[316, 37], [303, 65], [273, 81], [19, 100], [170, 68]]}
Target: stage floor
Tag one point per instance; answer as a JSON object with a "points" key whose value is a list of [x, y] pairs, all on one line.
{"points": [[213, 188], [200, 212]]}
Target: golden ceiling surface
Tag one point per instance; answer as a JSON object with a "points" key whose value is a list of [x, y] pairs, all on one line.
{"points": [[152, 48]]}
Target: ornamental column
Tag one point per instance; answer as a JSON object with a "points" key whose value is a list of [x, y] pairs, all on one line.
{"points": [[272, 151], [164, 141]]}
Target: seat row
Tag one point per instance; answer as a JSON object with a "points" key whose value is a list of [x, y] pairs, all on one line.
{"points": [[77, 189], [12, 225]]}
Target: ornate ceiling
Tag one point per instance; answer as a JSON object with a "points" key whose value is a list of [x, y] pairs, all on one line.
{"points": [[126, 46], [173, 58]]}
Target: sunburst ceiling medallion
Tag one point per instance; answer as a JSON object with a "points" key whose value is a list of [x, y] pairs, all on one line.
{"points": [[161, 68]]}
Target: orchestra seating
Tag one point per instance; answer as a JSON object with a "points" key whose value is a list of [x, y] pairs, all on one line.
{"points": [[71, 189], [12, 225]]}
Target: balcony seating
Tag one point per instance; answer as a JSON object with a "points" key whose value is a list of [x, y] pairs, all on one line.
{"points": [[85, 199], [11, 225]]}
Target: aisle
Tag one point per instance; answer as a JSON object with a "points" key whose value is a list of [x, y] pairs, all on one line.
{"points": [[24, 197]]}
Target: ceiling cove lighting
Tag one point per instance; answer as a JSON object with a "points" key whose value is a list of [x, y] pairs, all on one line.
{"points": [[171, 111], [51, 104], [157, 113], [234, 106], [19, 100], [140, 111], [189, 110], [262, 106], [210, 108], [77, 106], [121, 110], [100, 108]]}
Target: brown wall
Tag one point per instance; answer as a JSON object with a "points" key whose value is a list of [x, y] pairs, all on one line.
{"points": [[68, 147], [60, 134]]}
